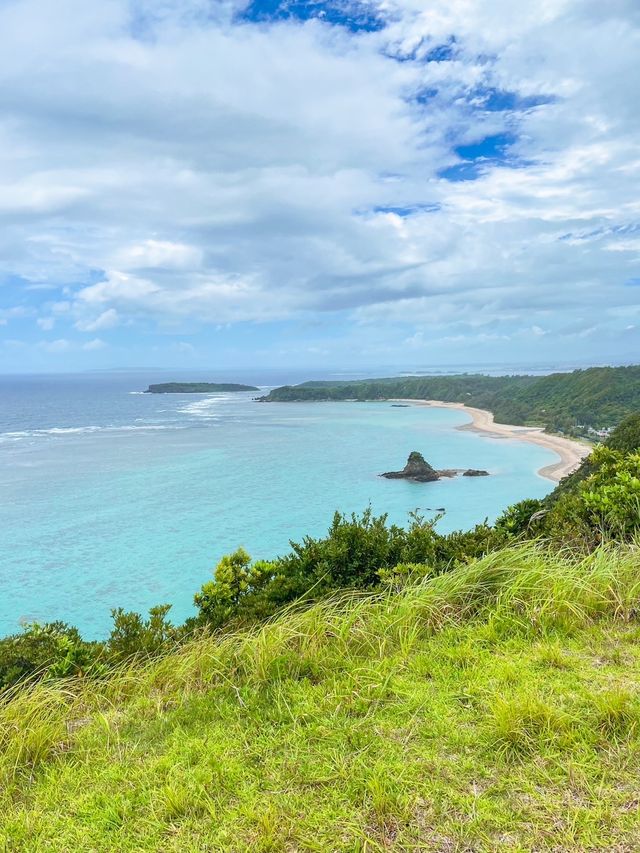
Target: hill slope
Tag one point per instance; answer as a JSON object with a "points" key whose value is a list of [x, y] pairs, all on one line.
{"points": [[494, 707]]}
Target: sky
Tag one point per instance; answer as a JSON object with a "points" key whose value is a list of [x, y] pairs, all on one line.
{"points": [[223, 183]]}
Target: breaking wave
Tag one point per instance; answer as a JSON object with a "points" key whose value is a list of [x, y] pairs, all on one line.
{"points": [[39, 433]]}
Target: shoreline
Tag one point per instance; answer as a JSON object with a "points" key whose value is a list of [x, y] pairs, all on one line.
{"points": [[571, 452]]}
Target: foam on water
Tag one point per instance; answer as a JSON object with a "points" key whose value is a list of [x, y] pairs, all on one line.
{"points": [[207, 408], [84, 430]]}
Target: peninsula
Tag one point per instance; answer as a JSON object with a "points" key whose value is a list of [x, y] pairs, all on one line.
{"points": [[584, 403], [197, 387]]}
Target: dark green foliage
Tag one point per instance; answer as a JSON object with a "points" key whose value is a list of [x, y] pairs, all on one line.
{"points": [[351, 555], [522, 519], [566, 402], [132, 634], [626, 436], [240, 589], [473, 389], [463, 546], [54, 649], [197, 387]]}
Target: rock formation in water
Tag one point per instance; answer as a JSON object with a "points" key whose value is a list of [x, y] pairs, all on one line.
{"points": [[419, 470], [416, 469]]}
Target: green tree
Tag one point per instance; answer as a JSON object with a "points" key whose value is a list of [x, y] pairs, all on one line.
{"points": [[237, 590]]}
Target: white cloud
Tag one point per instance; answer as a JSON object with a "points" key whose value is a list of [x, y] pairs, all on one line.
{"points": [[105, 320], [46, 323], [160, 254], [93, 345], [219, 173], [57, 346], [13, 313]]}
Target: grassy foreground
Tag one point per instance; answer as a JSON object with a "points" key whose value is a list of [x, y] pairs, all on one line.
{"points": [[496, 707]]}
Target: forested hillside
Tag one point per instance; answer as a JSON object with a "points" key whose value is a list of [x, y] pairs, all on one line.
{"points": [[599, 397]]}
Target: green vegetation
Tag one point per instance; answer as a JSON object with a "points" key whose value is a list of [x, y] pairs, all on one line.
{"points": [[599, 397], [493, 707], [378, 688], [358, 552], [197, 387], [599, 503]]}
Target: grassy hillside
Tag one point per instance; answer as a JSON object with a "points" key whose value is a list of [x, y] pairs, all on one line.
{"points": [[494, 707], [597, 397]]}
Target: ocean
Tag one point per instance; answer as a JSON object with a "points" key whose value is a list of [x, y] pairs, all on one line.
{"points": [[110, 497]]}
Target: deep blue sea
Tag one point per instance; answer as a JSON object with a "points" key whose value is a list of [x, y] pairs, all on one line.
{"points": [[111, 497]]}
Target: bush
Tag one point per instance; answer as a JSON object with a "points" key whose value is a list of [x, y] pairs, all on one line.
{"points": [[54, 649], [133, 635], [605, 505], [521, 519], [351, 555]]}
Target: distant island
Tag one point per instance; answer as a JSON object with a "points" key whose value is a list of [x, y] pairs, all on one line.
{"points": [[197, 387], [587, 403]]}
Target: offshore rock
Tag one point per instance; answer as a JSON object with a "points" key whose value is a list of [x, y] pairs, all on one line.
{"points": [[416, 469], [419, 470]]}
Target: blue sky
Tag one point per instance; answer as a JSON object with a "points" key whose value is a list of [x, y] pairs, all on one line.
{"points": [[216, 183]]}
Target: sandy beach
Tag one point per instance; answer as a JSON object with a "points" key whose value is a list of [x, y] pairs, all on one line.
{"points": [[571, 453]]}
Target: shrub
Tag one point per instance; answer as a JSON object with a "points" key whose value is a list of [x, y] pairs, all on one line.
{"points": [[522, 518], [132, 634], [351, 555], [605, 505], [54, 649]]}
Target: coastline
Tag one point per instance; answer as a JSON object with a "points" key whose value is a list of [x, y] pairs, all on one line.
{"points": [[571, 452]]}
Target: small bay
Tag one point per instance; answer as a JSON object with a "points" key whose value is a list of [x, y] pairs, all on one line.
{"points": [[110, 497]]}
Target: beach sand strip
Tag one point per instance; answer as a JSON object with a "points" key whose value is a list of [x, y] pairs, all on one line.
{"points": [[571, 452]]}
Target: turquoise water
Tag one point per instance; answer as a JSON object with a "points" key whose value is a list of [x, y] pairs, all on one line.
{"points": [[117, 499]]}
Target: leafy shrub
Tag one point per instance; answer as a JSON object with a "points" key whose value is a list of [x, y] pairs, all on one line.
{"points": [[521, 519], [611, 495], [351, 555], [238, 588], [605, 505], [133, 635], [54, 649]]}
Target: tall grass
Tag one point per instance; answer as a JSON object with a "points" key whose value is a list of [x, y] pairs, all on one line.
{"points": [[524, 588]]}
